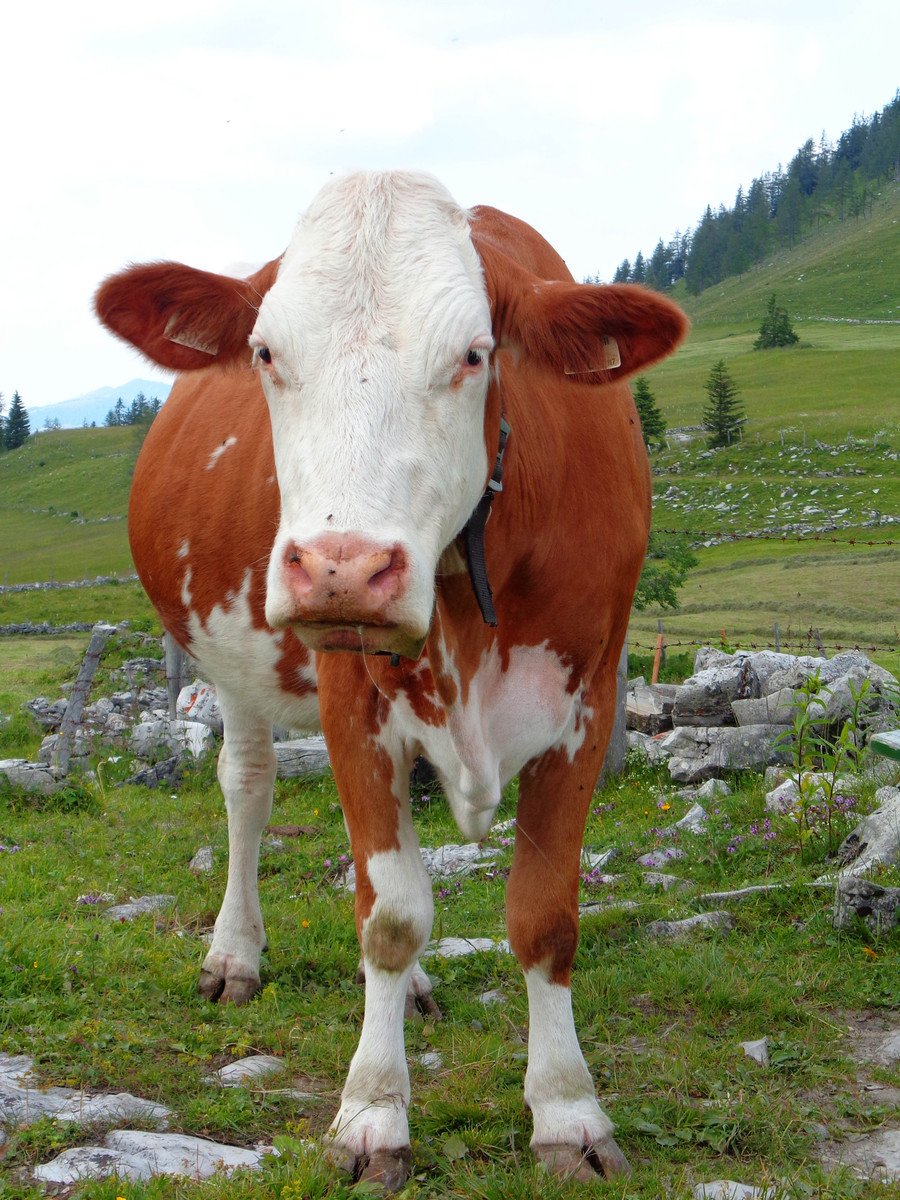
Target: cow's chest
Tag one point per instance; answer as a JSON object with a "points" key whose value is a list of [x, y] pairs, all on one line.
{"points": [[502, 712]]}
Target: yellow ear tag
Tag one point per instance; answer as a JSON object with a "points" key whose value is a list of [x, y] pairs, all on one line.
{"points": [[611, 357]]}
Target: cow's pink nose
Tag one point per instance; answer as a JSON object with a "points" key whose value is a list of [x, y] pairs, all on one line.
{"points": [[343, 578]]}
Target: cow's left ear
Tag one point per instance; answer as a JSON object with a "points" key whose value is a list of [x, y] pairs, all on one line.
{"points": [[595, 332], [182, 318]]}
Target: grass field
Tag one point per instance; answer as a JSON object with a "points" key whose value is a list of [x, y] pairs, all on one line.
{"points": [[112, 1006]]}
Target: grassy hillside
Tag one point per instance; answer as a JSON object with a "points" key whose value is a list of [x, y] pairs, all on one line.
{"points": [[63, 504], [848, 269]]}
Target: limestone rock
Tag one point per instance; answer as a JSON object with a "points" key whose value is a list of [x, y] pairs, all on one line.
{"points": [[202, 862], [248, 1070], [138, 907], [444, 862], [137, 1155], [673, 930], [199, 702], [454, 947], [698, 753], [158, 739], [876, 839], [757, 1050], [727, 1189], [776, 709], [302, 758], [35, 778], [877, 906], [873, 1156], [660, 858], [648, 707]]}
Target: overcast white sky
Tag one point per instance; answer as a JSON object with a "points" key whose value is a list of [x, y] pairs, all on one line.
{"points": [[199, 129]]}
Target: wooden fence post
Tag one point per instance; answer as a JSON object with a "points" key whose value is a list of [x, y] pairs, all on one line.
{"points": [[62, 751], [176, 660]]}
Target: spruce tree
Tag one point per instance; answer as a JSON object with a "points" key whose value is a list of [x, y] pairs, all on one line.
{"points": [[723, 415], [776, 329], [653, 423], [18, 428]]}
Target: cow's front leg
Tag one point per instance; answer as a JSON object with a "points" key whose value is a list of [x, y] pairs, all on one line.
{"points": [[572, 1133], [247, 778], [394, 912]]}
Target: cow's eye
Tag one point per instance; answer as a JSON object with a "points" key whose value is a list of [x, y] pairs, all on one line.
{"points": [[474, 358], [264, 354]]}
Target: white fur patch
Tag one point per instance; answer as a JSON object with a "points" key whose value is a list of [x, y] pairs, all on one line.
{"points": [[219, 451]]}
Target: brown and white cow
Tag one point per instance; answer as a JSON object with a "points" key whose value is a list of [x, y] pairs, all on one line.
{"points": [[307, 495]]}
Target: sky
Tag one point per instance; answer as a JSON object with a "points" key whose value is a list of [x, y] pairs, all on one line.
{"points": [[199, 130]]}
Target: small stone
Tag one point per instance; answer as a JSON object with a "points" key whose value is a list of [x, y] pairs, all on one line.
{"points": [[711, 789], [887, 1052], [876, 839], [694, 820], [247, 1070], [132, 1154], [302, 758], [138, 907], [874, 1156], [595, 860], [668, 883], [672, 930], [495, 996], [877, 906], [758, 1050], [202, 862], [660, 858], [430, 1060], [727, 1189], [456, 947]]}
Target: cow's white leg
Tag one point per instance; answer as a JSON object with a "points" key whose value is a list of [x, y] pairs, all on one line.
{"points": [[570, 1127], [247, 777], [370, 1132]]}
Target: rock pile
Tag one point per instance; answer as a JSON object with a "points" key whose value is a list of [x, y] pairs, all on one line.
{"points": [[731, 712]]}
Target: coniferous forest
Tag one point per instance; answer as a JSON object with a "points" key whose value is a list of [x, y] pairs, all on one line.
{"points": [[823, 182]]}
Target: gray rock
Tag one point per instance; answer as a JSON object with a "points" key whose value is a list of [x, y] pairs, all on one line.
{"points": [[693, 821], [302, 758], [698, 754], [887, 1052], [711, 789], [877, 906], [35, 778], [673, 930], [15, 1068], [454, 947], [79, 746], [23, 1104], [162, 774], [430, 1060], [648, 707], [660, 858], [158, 739], [136, 1155], [199, 702], [248, 1070], [202, 862], [444, 862], [495, 996], [727, 1189], [139, 907], [757, 1050], [874, 1156], [47, 713], [775, 709], [595, 860], [668, 883], [876, 839], [705, 698]]}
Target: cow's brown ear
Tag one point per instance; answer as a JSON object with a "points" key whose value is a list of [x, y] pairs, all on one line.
{"points": [[594, 332], [181, 318]]}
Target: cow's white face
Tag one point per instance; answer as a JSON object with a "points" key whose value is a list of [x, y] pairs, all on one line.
{"points": [[373, 347]]}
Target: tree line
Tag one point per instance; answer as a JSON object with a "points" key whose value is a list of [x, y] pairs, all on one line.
{"points": [[822, 182], [15, 426]]}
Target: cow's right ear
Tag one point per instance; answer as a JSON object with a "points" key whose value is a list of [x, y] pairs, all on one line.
{"points": [[181, 318]]}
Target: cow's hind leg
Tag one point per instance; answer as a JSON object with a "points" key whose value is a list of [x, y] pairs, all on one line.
{"points": [[572, 1133], [247, 777]]}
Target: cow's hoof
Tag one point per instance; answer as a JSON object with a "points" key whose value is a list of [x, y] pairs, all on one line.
{"points": [[586, 1164], [390, 1168], [234, 989]]}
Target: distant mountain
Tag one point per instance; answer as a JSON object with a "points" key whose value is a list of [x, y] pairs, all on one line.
{"points": [[93, 406]]}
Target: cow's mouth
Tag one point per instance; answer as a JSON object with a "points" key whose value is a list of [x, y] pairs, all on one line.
{"points": [[327, 637]]}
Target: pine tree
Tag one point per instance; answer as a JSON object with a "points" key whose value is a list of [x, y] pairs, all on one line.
{"points": [[776, 329], [723, 415], [653, 423], [17, 428]]}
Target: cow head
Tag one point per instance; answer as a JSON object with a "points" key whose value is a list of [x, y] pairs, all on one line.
{"points": [[372, 338]]}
